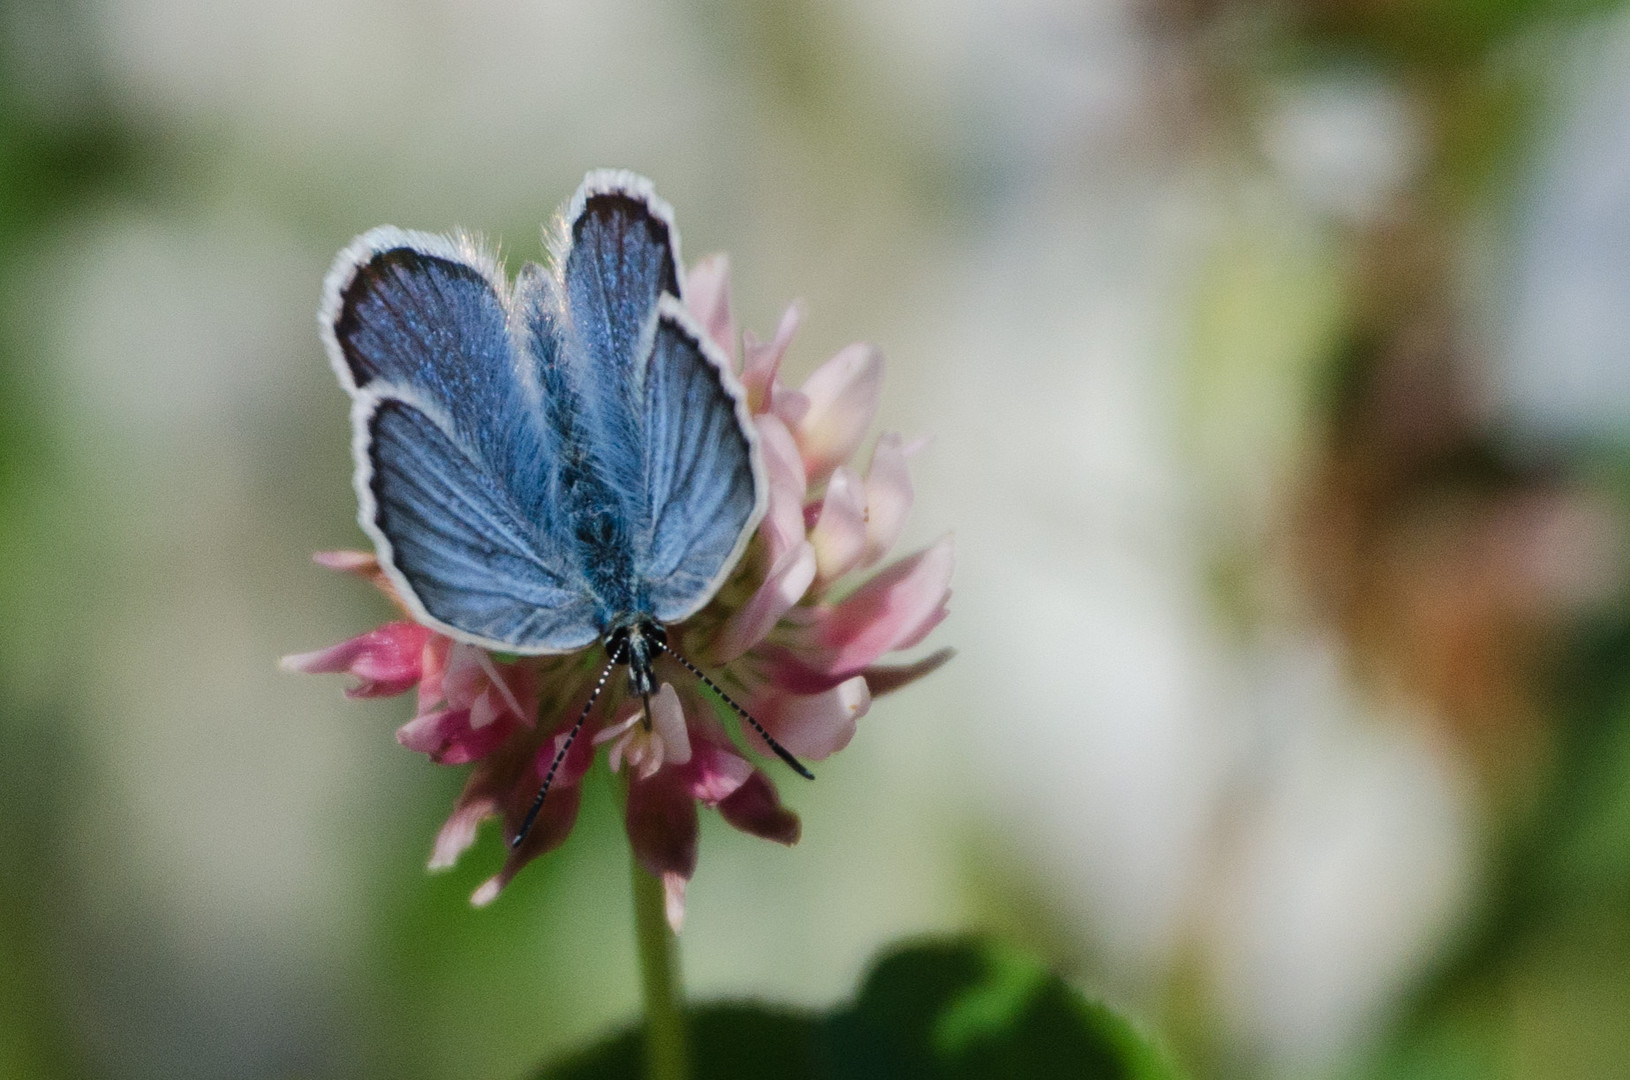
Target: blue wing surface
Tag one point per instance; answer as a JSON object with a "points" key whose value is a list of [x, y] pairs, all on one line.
{"points": [[615, 254], [618, 254], [703, 488], [595, 480], [672, 486], [534, 466], [455, 535], [455, 468], [423, 315]]}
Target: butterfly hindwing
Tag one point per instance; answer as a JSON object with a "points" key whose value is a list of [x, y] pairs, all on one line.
{"points": [[455, 535], [453, 457], [702, 482]]}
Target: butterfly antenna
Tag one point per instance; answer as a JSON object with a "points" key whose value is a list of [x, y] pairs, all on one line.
{"points": [[560, 755], [780, 751]]}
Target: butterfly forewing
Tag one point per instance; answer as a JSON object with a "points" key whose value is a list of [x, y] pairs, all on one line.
{"points": [[620, 258], [420, 314]]}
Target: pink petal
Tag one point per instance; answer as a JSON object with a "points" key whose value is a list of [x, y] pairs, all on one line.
{"points": [[465, 675], [643, 754], [755, 808], [571, 770], [839, 533], [487, 708], [661, 822], [843, 396], [888, 497], [782, 587], [361, 563], [554, 823], [715, 772], [458, 833], [781, 669], [510, 686], [814, 726], [707, 297], [887, 678], [762, 362], [915, 635], [385, 661], [436, 651], [893, 610], [791, 406], [784, 469], [450, 738], [673, 899], [619, 727], [660, 739], [461, 676]]}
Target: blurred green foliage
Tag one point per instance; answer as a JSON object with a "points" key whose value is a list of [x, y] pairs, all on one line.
{"points": [[53, 163], [1432, 35], [36, 1038], [1535, 983], [965, 1009], [1539, 985], [51, 166]]}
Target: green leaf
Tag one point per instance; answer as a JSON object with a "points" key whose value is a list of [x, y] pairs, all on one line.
{"points": [[728, 1041], [953, 1009]]}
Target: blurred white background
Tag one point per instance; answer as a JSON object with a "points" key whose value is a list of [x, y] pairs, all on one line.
{"points": [[1111, 320]]}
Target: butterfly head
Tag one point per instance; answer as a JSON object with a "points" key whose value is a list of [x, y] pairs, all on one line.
{"points": [[636, 643]]}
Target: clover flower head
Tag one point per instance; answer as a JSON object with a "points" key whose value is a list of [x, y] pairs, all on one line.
{"points": [[787, 637]]}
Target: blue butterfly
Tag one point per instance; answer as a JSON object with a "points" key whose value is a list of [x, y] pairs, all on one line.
{"points": [[541, 466]]}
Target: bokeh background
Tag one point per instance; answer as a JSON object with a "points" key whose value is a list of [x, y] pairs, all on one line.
{"points": [[1276, 355]]}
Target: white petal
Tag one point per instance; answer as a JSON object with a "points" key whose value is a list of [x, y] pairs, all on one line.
{"points": [[888, 497], [668, 725], [840, 533], [842, 395]]}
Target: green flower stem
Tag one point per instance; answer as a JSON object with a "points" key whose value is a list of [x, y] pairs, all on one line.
{"points": [[659, 973]]}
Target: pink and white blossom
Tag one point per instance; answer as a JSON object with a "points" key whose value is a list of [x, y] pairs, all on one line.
{"points": [[792, 636]]}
